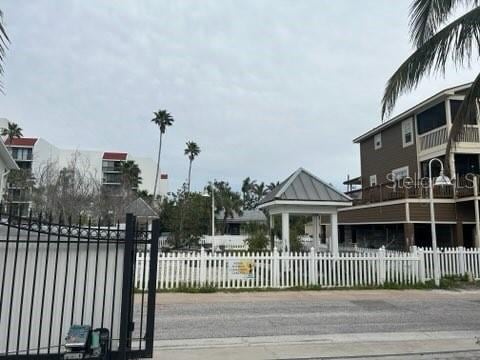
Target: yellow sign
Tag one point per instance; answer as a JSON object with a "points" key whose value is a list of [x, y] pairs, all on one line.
{"points": [[240, 269]]}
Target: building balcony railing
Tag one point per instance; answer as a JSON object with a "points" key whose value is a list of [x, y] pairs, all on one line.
{"points": [[439, 137], [461, 188]]}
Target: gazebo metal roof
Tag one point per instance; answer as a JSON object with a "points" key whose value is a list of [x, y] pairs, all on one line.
{"points": [[304, 186]]}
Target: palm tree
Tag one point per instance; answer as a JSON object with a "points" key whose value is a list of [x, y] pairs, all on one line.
{"points": [[192, 150], [162, 119], [272, 185], [248, 187], [4, 40], [459, 41], [12, 131], [131, 174]]}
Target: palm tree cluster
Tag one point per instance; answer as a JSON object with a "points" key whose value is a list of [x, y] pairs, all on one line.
{"points": [[253, 192], [13, 131], [437, 41]]}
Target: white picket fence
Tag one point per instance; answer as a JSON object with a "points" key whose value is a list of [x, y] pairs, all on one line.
{"points": [[280, 270], [453, 261]]}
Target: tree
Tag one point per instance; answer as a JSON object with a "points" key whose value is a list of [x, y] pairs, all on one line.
{"points": [[162, 119], [131, 174], [12, 131], [4, 41], [257, 239], [228, 201], [434, 46], [248, 187], [186, 216], [192, 150], [272, 185]]}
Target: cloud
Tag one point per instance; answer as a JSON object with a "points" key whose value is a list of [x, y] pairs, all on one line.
{"points": [[262, 87]]}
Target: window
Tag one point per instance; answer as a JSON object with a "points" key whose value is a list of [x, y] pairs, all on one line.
{"points": [[454, 106], [431, 118], [400, 173], [373, 180], [407, 132], [377, 140]]}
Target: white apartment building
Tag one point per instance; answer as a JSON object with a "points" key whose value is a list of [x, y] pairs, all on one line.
{"points": [[34, 152]]}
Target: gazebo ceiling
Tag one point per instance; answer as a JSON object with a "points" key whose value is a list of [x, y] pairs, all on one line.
{"points": [[304, 186]]}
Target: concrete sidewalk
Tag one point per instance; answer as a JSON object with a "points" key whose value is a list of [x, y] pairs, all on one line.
{"points": [[397, 345]]}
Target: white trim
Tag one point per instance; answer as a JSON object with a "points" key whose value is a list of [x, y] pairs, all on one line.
{"points": [[301, 202], [402, 222], [412, 132], [397, 202], [400, 169], [377, 141]]}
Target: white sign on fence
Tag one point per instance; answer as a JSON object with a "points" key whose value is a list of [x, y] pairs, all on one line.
{"points": [[240, 269]]}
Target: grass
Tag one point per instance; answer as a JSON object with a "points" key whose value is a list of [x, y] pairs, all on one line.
{"points": [[447, 282]]}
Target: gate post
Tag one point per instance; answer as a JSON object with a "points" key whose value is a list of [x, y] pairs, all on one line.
{"points": [[276, 268], [152, 288], [127, 291]]}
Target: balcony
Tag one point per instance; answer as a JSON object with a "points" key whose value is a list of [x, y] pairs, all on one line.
{"points": [[438, 137], [462, 188]]}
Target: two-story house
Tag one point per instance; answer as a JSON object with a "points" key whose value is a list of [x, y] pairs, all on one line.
{"points": [[391, 202]]}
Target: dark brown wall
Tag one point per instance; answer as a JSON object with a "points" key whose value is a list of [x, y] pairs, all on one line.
{"points": [[391, 156], [443, 212], [392, 213]]}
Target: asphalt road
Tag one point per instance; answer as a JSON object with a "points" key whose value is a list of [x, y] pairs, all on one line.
{"points": [[300, 325], [189, 316]]}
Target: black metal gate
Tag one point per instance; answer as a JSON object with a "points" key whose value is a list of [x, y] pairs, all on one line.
{"points": [[54, 274]]}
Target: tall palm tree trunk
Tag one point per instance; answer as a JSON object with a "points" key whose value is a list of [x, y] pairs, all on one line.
{"points": [[158, 166], [189, 174]]}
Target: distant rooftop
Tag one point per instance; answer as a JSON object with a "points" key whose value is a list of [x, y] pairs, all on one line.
{"points": [[114, 156], [245, 217], [21, 141]]}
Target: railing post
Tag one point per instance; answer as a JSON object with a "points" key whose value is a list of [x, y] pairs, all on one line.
{"points": [[381, 265], [203, 267], [311, 268], [276, 268], [461, 260]]}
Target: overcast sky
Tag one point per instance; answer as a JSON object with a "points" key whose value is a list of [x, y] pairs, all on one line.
{"points": [[263, 87]]}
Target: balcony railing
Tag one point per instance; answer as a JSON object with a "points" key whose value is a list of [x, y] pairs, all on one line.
{"points": [[433, 138], [462, 188], [439, 136]]}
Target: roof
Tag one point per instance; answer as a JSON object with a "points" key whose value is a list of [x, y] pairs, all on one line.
{"points": [[21, 141], [304, 186], [140, 208], [7, 157], [411, 111], [247, 216], [114, 156]]}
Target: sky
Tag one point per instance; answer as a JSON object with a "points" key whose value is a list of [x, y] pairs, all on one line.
{"points": [[264, 87]]}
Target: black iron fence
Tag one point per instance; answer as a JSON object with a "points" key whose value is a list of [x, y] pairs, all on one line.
{"points": [[54, 274]]}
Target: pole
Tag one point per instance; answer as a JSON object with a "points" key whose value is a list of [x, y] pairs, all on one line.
{"points": [[477, 216], [436, 274]]}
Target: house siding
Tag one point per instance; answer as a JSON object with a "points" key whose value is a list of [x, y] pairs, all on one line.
{"points": [[388, 213], [391, 156]]}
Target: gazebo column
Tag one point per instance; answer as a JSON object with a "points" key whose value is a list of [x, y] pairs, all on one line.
{"points": [[333, 245], [316, 228], [286, 231], [272, 226]]}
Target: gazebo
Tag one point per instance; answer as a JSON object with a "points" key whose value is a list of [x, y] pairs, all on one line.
{"points": [[302, 193]]}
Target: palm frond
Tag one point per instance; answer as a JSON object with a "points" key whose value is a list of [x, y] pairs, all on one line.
{"points": [[426, 16], [4, 41], [455, 42], [466, 111]]}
